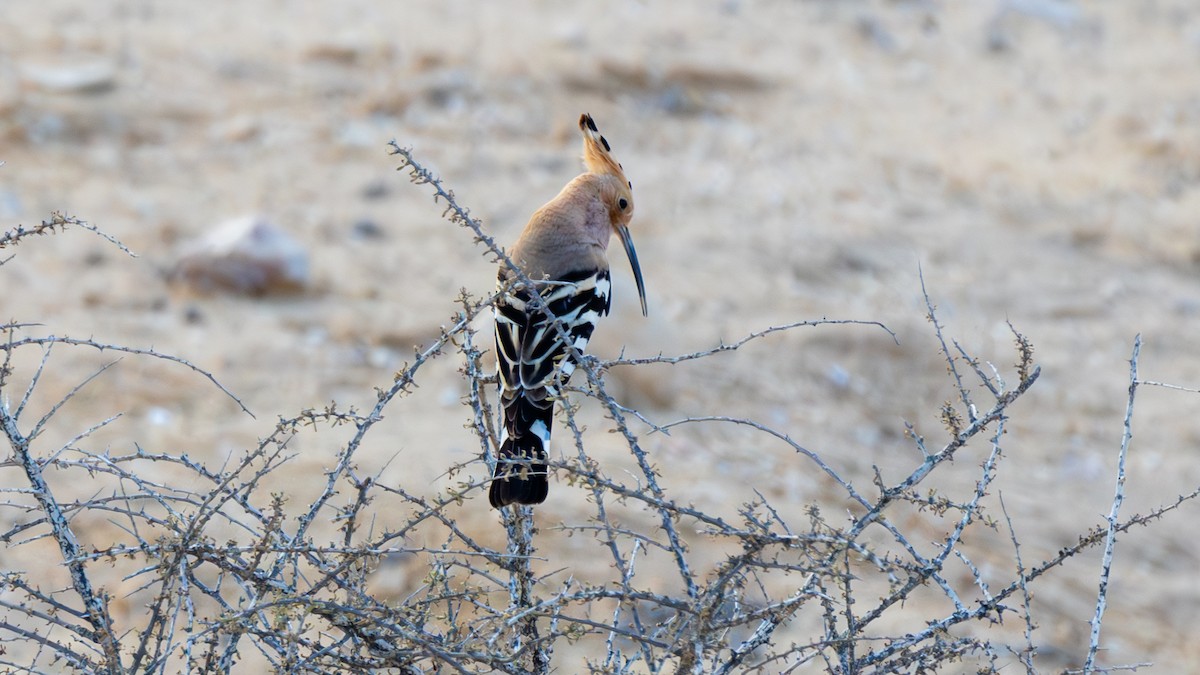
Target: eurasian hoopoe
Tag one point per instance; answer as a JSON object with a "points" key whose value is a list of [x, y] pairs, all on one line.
{"points": [[562, 251]]}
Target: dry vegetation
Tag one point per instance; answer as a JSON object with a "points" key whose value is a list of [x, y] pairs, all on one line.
{"points": [[803, 170], [233, 573]]}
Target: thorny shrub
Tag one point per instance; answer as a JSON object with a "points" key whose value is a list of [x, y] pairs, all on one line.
{"points": [[229, 571]]}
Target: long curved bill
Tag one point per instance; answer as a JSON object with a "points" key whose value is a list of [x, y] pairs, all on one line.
{"points": [[627, 242]]}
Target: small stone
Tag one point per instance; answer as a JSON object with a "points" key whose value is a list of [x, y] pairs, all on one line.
{"points": [[345, 53], [82, 78], [249, 256], [238, 129], [193, 315], [366, 229], [158, 416], [838, 377], [872, 29], [376, 189]]}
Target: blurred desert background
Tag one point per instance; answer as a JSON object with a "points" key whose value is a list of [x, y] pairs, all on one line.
{"points": [[1037, 160]]}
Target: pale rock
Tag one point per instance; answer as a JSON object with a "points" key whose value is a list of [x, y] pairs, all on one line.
{"points": [[82, 78], [248, 255]]}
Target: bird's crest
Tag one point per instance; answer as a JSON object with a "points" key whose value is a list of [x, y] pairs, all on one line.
{"points": [[597, 153]]}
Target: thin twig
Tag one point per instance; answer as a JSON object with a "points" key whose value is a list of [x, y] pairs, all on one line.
{"points": [[1110, 538]]}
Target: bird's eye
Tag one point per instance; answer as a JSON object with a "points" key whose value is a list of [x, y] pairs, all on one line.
{"points": [[623, 203]]}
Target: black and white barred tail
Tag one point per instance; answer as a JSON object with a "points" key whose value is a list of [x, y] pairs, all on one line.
{"points": [[533, 362]]}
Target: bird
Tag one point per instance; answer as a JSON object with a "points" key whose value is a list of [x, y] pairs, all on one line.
{"points": [[562, 251]]}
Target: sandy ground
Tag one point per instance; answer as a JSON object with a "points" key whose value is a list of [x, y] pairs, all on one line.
{"points": [[791, 160]]}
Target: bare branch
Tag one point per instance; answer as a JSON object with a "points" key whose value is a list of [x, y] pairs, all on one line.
{"points": [[228, 572], [57, 223], [1110, 538]]}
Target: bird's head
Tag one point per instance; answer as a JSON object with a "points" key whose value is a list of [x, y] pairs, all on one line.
{"points": [[617, 192]]}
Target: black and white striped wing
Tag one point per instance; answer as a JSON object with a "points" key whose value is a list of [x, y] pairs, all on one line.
{"points": [[531, 350], [532, 359]]}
